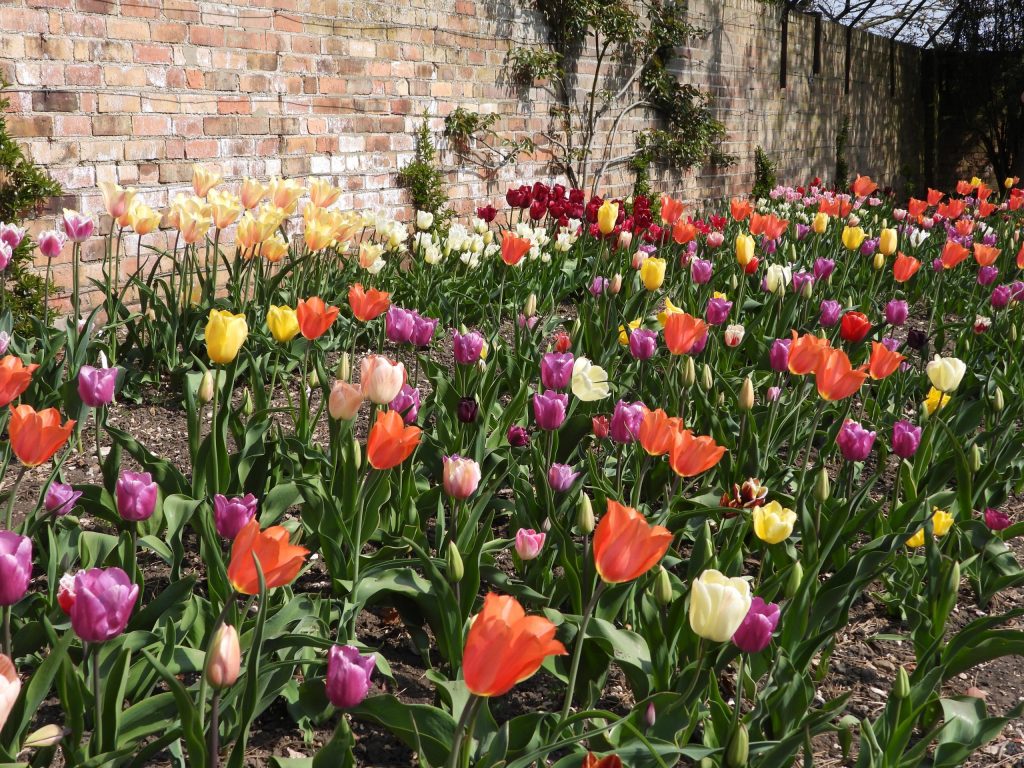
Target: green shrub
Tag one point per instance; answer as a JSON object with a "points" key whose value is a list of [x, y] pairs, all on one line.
{"points": [[423, 178], [764, 174]]}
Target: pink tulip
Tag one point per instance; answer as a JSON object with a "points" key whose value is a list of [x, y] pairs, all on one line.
{"points": [[96, 385], [77, 226], [348, 675], [101, 603], [230, 515], [461, 477], [135, 494], [15, 567], [380, 379], [51, 242], [529, 543], [10, 687]]}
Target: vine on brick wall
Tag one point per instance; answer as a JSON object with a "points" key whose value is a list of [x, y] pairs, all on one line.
{"points": [[423, 179], [631, 45]]}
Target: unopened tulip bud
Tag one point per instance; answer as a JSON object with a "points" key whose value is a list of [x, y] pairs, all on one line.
{"points": [[47, 736], [901, 689], [974, 459], [651, 716], [456, 570], [953, 583], [721, 398], [585, 515], [997, 400], [706, 378], [357, 454], [247, 404], [795, 579], [345, 367], [615, 284], [663, 588], [223, 661], [1013, 333], [313, 379], [738, 751], [205, 393], [746, 400], [689, 372], [879, 261], [531, 305], [822, 487]]}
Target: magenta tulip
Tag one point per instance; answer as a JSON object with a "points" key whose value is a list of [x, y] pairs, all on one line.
{"points": [[96, 385], [626, 420], [755, 631], [136, 496], [230, 515], [556, 370], [15, 567], [348, 675], [101, 602], [60, 499], [549, 409], [854, 441]]}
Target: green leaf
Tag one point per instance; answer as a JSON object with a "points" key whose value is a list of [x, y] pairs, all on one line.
{"points": [[428, 730]]}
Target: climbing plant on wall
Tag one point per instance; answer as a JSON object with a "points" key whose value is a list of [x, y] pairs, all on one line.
{"points": [[627, 45]]}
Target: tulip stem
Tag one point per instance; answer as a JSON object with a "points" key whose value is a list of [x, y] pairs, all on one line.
{"points": [[214, 735], [577, 654], [215, 464], [7, 631], [455, 759], [739, 693], [14, 495], [97, 699]]}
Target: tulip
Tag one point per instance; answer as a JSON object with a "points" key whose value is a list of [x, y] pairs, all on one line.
{"points": [[952, 254], [230, 516], [348, 675], [51, 243], [399, 324], [15, 377], [853, 237], [204, 179], [60, 499], [96, 385], [225, 334], [835, 377], [823, 269], [407, 403], [887, 242], [626, 546], [422, 330], [683, 332], [77, 226], [754, 633], [466, 411], [251, 193], [987, 275], [15, 567], [136, 495], [224, 659], [690, 455], [658, 432], [390, 441], [607, 216], [855, 327], [806, 353], [100, 603], [718, 605], [744, 249], [997, 520], [917, 339], [36, 436], [600, 426], [461, 477], [652, 273], [556, 370], [896, 312], [467, 348], [380, 379], [778, 355], [777, 278], [549, 409], [883, 361], [904, 268], [598, 286], [367, 305], [773, 523], [626, 420], [561, 477], [513, 248], [279, 560], [315, 317], [10, 688], [643, 343], [529, 543], [946, 373], [518, 437], [717, 311], [505, 646], [905, 439], [283, 323], [116, 199], [942, 521], [733, 335], [854, 441]]}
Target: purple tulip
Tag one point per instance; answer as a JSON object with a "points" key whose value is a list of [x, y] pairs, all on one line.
{"points": [[549, 409], [854, 441], [996, 519], [755, 631], [626, 420], [1016, 290], [231, 515], [518, 437], [893, 345], [398, 324], [905, 438], [987, 275], [527, 322], [96, 385], [348, 675], [101, 603], [830, 312], [801, 280], [823, 269], [60, 499], [778, 355], [989, 239], [598, 287], [698, 346], [643, 343], [561, 477], [467, 409], [937, 265], [801, 231], [1000, 296], [896, 312], [467, 348], [774, 393], [769, 246], [423, 330], [701, 271], [407, 403], [556, 370], [869, 246], [15, 567], [136, 496], [718, 311], [5, 341]]}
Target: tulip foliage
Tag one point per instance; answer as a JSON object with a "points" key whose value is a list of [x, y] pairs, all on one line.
{"points": [[569, 446]]}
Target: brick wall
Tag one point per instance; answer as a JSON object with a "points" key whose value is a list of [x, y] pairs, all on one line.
{"points": [[135, 91]]}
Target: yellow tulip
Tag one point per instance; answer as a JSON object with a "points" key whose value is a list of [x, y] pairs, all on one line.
{"points": [[322, 193], [773, 522], [204, 179], [273, 249], [284, 193], [744, 249], [225, 208], [975, 182], [652, 272], [887, 241], [251, 193], [283, 323], [318, 236], [623, 336], [935, 401], [142, 218], [670, 309], [270, 219], [607, 215], [248, 235], [193, 224], [942, 521], [225, 334], [116, 199], [853, 237], [820, 223]]}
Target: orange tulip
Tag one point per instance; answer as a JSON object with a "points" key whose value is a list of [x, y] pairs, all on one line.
{"points": [[953, 253], [934, 196], [964, 187], [1020, 258], [828, 207], [985, 255], [513, 248], [691, 455], [916, 208], [608, 761], [367, 305], [280, 560], [806, 353], [964, 227], [740, 208], [15, 377], [671, 209], [983, 192], [771, 226], [904, 268], [390, 441], [658, 432], [836, 378], [863, 186], [985, 209], [682, 331], [626, 545], [683, 232], [36, 435], [883, 362], [315, 317], [951, 209], [505, 646]]}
